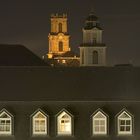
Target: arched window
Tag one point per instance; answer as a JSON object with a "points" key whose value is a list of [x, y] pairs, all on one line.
{"points": [[5, 123], [60, 46], [39, 123], [99, 124], [60, 27], [95, 57], [124, 121], [64, 124]]}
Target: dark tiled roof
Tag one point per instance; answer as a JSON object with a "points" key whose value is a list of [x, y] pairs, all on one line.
{"points": [[18, 55], [69, 84]]}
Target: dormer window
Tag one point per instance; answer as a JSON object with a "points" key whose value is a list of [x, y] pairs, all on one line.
{"points": [[64, 123], [39, 123], [99, 123], [5, 123], [125, 124]]}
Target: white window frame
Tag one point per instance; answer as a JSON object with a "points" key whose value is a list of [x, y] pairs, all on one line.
{"points": [[125, 119], [59, 119], [99, 119], [6, 119], [34, 119]]}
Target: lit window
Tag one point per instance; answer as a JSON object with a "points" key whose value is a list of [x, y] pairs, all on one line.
{"points": [[39, 124], [64, 124], [63, 61], [124, 123], [60, 27], [60, 46], [99, 124], [5, 123]]}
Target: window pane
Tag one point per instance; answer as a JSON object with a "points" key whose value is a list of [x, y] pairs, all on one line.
{"points": [[7, 127], [127, 122], [2, 122], [102, 129], [42, 122], [36, 128], [62, 121], [42, 128], [96, 129], [122, 122], [96, 122], [102, 122], [122, 128], [127, 128], [7, 121], [62, 128], [67, 128], [36, 122], [67, 121], [65, 125]]}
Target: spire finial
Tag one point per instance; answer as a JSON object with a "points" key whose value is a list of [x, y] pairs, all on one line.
{"points": [[92, 9]]}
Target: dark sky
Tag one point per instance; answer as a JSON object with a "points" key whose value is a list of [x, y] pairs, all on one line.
{"points": [[27, 22]]}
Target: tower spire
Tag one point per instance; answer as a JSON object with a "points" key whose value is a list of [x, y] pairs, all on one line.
{"points": [[93, 50], [92, 10]]}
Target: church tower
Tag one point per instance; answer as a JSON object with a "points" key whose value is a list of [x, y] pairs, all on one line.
{"points": [[58, 37], [92, 50]]}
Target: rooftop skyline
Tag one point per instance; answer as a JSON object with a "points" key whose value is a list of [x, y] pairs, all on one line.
{"points": [[28, 23]]}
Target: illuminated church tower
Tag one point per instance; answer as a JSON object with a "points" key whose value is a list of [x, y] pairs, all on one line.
{"points": [[59, 52], [92, 50], [58, 37]]}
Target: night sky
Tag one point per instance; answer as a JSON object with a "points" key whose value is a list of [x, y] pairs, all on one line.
{"points": [[27, 22]]}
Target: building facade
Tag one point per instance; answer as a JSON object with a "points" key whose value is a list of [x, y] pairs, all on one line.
{"points": [[38, 103], [74, 120], [92, 50]]}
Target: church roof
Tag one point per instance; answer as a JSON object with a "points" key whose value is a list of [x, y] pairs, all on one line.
{"points": [[70, 54], [92, 22], [89, 27], [69, 84], [92, 17], [67, 54], [18, 55]]}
